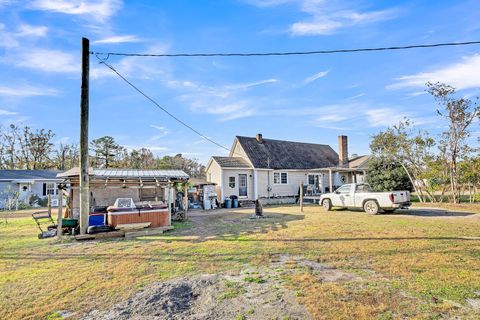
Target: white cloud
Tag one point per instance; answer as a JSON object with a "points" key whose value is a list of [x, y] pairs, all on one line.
{"points": [[26, 30], [327, 17], [27, 91], [228, 111], [461, 75], [118, 39], [134, 67], [316, 76], [99, 10], [7, 113], [162, 132], [44, 60], [384, 117], [8, 39], [248, 85], [357, 96]]}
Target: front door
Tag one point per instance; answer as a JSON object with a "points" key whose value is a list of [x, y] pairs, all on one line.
{"points": [[242, 185]]}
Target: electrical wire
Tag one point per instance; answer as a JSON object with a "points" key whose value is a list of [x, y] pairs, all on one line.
{"points": [[102, 61], [261, 54]]}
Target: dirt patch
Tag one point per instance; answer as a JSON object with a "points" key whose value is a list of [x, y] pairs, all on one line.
{"points": [[255, 293], [209, 297], [322, 272]]}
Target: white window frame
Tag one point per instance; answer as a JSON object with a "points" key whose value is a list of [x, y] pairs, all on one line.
{"points": [[51, 188], [234, 182], [277, 178]]}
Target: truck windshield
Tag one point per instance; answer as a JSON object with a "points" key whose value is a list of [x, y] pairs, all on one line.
{"points": [[362, 188]]}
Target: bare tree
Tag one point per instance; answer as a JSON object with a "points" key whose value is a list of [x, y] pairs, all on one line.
{"points": [[460, 114], [40, 147]]}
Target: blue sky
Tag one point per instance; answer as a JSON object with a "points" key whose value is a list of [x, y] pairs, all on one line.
{"points": [[299, 98]]}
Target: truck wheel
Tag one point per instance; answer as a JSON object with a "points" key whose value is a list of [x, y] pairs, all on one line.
{"points": [[327, 204], [371, 207]]}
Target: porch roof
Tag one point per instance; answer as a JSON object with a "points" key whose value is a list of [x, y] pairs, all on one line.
{"points": [[338, 169]]}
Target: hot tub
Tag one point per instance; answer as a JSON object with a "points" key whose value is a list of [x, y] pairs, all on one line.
{"points": [[125, 212]]}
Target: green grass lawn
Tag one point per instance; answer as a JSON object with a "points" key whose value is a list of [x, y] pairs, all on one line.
{"points": [[411, 266]]}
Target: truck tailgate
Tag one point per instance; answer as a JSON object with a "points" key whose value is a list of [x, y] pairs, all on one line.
{"points": [[401, 196]]}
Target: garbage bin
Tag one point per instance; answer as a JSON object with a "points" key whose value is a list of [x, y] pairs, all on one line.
{"points": [[228, 203], [234, 199]]}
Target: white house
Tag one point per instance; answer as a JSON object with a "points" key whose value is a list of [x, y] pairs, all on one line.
{"points": [[259, 168], [25, 183]]}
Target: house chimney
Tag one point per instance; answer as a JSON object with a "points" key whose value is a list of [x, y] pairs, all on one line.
{"points": [[343, 150], [259, 138]]}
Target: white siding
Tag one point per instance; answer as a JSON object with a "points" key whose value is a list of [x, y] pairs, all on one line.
{"points": [[238, 151], [227, 191], [295, 178]]}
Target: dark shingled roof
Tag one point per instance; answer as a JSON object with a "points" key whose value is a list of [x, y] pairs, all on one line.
{"points": [[232, 162], [359, 162], [28, 174], [288, 154]]}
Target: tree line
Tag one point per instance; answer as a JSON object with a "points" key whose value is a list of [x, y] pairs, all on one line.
{"points": [[438, 168], [28, 149]]}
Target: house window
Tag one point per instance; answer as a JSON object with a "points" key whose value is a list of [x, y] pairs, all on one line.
{"points": [[231, 182], [280, 178], [51, 188], [311, 179]]}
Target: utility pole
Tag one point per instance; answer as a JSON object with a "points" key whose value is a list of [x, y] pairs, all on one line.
{"points": [[84, 179]]}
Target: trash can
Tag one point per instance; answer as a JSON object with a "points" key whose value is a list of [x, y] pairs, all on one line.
{"points": [[234, 199], [228, 203]]}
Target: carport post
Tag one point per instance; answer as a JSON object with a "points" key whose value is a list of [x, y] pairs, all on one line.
{"points": [[60, 215], [185, 206], [169, 204]]}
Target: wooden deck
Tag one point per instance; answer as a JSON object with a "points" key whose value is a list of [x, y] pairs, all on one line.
{"points": [[124, 233]]}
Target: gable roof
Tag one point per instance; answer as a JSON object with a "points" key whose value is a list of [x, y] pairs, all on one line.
{"points": [[280, 154], [28, 174], [232, 162], [359, 162]]}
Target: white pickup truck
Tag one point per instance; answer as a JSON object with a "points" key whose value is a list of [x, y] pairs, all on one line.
{"points": [[361, 196]]}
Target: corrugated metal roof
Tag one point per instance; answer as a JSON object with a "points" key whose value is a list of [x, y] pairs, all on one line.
{"points": [[128, 173], [232, 162], [28, 174]]}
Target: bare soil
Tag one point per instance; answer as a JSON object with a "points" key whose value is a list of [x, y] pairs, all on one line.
{"points": [[208, 297]]}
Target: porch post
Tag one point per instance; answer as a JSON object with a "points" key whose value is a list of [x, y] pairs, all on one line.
{"points": [[330, 179], [255, 185]]}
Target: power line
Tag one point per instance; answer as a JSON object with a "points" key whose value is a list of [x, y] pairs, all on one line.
{"points": [[160, 107], [293, 53]]}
